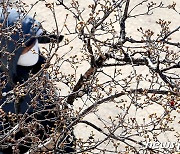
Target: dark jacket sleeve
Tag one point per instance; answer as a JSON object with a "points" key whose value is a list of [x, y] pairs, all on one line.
{"points": [[50, 38]]}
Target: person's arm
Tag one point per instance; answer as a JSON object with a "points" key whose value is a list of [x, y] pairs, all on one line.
{"points": [[44, 38], [42, 35], [47, 38]]}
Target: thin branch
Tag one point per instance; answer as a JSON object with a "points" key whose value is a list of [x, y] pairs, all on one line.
{"points": [[122, 23], [170, 33]]}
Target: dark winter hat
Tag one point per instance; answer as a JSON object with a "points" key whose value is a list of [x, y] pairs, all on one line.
{"points": [[16, 32]]}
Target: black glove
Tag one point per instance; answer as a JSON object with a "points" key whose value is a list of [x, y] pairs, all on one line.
{"points": [[50, 38]]}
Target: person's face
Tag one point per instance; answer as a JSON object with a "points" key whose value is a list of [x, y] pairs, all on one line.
{"points": [[30, 55]]}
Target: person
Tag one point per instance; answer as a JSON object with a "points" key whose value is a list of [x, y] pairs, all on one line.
{"points": [[20, 58]]}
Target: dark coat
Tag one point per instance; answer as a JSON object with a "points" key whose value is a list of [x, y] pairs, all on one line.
{"points": [[23, 73], [17, 32]]}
